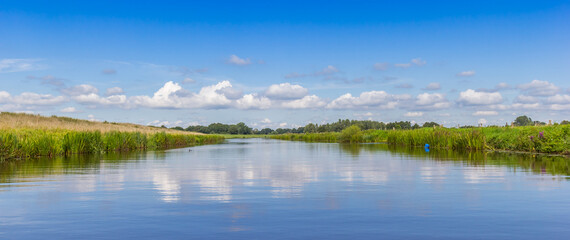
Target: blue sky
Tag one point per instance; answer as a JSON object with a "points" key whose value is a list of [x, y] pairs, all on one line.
{"points": [[286, 63]]}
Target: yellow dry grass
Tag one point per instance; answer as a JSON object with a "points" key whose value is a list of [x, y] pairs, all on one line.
{"points": [[29, 121]]}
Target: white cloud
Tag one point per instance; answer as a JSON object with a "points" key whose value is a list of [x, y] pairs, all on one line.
{"points": [[432, 101], [466, 73], [94, 99], [83, 89], [381, 66], [472, 97], [482, 121], [414, 114], [68, 110], [418, 61], [286, 91], [114, 91], [283, 124], [526, 99], [562, 99], [311, 101], [372, 99], [539, 88], [28, 98], [560, 107], [19, 65], [433, 86], [526, 106], [266, 121], [252, 101], [238, 61], [485, 113]]}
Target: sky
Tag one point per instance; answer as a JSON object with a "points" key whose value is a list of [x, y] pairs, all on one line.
{"points": [[286, 63]]}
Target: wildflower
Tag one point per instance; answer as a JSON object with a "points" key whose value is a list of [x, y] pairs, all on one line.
{"points": [[541, 135], [532, 138]]}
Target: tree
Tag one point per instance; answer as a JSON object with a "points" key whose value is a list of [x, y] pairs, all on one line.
{"points": [[523, 121], [430, 124]]}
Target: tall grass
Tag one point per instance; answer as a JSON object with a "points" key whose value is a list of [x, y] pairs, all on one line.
{"points": [[472, 139], [24, 143], [541, 139]]}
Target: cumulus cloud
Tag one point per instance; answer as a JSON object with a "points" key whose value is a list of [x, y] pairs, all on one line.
{"points": [[433, 86], [414, 114], [266, 121], [286, 91], [562, 99], [485, 113], [466, 73], [235, 60], [539, 88], [372, 99], [472, 97], [311, 101], [252, 101], [27, 100], [114, 91], [431, 101], [19, 65], [526, 99], [69, 110], [83, 89], [381, 66]]}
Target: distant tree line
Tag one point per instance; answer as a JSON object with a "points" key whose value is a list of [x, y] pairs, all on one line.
{"points": [[242, 129]]}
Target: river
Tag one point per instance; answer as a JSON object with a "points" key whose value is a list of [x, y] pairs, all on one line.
{"points": [[272, 189]]}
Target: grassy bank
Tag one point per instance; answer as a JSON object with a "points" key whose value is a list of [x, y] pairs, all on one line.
{"points": [[33, 136], [542, 139]]}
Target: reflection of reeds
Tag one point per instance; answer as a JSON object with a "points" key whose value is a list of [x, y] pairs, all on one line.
{"points": [[33, 136]]}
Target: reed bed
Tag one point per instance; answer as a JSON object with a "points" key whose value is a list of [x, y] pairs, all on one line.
{"points": [[25, 143], [553, 139]]}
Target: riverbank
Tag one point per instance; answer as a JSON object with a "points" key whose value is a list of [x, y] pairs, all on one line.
{"points": [[553, 139], [25, 136]]}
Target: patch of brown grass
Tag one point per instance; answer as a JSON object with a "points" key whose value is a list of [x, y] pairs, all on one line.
{"points": [[29, 121]]}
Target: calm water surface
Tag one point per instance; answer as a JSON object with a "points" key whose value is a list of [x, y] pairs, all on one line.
{"points": [[270, 189]]}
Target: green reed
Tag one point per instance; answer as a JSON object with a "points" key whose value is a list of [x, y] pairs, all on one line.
{"points": [[25, 143], [541, 139]]}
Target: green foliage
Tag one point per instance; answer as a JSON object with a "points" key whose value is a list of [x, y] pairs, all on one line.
{"points": [[541, 139], [523, 121], [25, 143], [352, 134]]}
